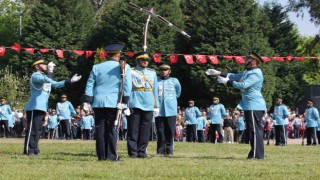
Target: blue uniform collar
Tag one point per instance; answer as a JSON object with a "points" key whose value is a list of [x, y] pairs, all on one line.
{"points": [[252, 68], [140, 68]]}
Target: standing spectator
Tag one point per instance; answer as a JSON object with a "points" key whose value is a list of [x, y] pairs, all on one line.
{"points": [[296, 123], [191, 115], [5, 112], [169, 91], [228, 129], [216, 113], [103, 87], [250, 83], [311, 118], [87, 124], [280, 114], [53, 124], [64, 111], [201, 125], [37, 106], [241, 126], [267, 128]]}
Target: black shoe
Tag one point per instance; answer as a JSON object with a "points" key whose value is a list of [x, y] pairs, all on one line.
{"points": [[133, 156]]}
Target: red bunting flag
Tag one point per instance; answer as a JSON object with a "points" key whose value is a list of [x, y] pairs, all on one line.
{"points": [[15, 47], [103, 54], [30, 50], [59, 53], [228, 57], [88, 54], [173, 58], [201, 59], [213, 59], [2, 50], [288, 58], [265, 59], [278, 58], [188, 58], [239, 59], [130, 54], [156, 57], [44, 50], [78, 52], [299, 58]]}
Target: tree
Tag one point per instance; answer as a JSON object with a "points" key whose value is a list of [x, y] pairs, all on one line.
{"points": [[311, 5]]}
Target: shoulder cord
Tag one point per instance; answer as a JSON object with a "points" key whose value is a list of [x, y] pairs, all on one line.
{"points": [[148, 81], [33, 85]]}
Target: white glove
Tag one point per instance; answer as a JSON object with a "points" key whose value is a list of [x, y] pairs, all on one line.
{"points": [[156, 112], [127, 112], [121, 106], [212, 72], [223, 80], [75, 78], [87, 106], [51, 66], [60, 117]]}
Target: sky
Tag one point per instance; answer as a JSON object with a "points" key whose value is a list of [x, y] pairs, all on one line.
{"points": [[304, 25]]}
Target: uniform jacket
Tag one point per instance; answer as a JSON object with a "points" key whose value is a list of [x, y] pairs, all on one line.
{"points": [[191, 115], [65, 110], [169, 91], [216, 113], [52, 121], [312, 116], [147, 99], [250, 83], [104, 84], [241, 124], [280, 114], [5, 112], [40, 88], [87, 121], [201, 123]]}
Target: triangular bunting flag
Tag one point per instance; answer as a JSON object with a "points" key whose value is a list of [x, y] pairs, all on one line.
{"points": [[173, 58], [265, 59], [88, 54], [288, 58], [15, 47], [299, 58], [278, 58], [78, 52], [43, 50], [228, 57], [157, 57], [130, 54], [30, 50], [201, 59], [2, 50], [239, 59], [213, 59], [103, 54], [59, 53], [188, 58]]}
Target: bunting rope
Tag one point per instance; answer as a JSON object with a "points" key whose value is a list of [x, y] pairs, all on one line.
{"points": [[157, 56]]}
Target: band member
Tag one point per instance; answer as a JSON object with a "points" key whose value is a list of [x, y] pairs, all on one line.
{"points": [[191, 115], [216, 113], [280, 114], [250, 83], [102, 90], [65, 111], [169, 91], [311, 118], [37, 106], [145, 105], [5, 115], [53, 124], [87, 124]]}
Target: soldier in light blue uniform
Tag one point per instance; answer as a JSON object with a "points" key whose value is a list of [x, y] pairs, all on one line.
{"points": [[65, 111], [102, 90], [241, 126], [145, 105], [87, 122], [5, 114], [250, 83], [311, 118], [169, 91], [191, 115], [201, 125], [37, 106], [216, 113], [280, 113], [53, 124]]}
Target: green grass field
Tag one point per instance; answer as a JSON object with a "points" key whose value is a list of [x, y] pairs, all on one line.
{"points": [[76, 159]]}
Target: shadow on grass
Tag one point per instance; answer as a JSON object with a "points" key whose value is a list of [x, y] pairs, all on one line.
{"points": [[196, 157]]}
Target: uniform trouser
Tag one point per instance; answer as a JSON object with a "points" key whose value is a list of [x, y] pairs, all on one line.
{"points": [[6, 127], [51, 135], [200, 135], [214, 128], [240, 136], [139, 125], [280, 131], [33, 131], [311, 133], [86, 134], [255, 133], [296, 130], [268, 135], [191, 133], [107, 135], [166, 127], [65, 125], [228, 130]]}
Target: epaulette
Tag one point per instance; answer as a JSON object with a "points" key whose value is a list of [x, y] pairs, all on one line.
{"points": [[151, 69]]}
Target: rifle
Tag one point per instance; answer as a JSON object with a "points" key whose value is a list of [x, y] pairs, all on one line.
{"points": [[119, 111]]}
